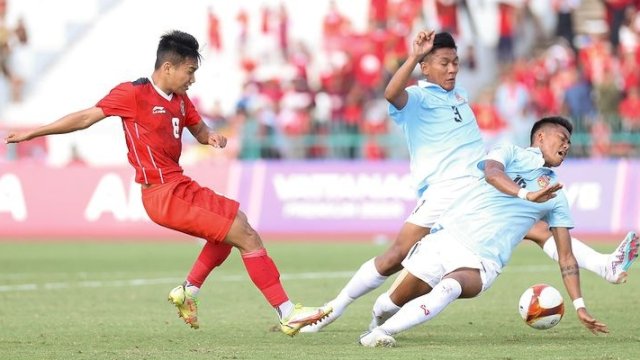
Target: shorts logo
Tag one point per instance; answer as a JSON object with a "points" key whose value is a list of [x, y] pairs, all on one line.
{"points": [[426, 311], [158, 110], [544, 180]]}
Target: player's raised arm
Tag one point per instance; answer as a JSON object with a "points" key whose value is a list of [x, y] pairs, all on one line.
{"points": [[69, 123], [571, 278], [395, 91]]}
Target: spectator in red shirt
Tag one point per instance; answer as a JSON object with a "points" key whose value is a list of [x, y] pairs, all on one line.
{"points": [[447, 13], [507, 20], [154, 113], [629, 71], [378, 12], [629, 109], [491, 124], [543, 100], [334, 25], [372, 149], [213, 24]]}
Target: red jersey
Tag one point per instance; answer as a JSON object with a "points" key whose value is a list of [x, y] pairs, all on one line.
{"points": [[153, 127]]}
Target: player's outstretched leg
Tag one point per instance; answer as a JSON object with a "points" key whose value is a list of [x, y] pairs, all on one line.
{"points": [[186, 302], [383, 308], [365, 280], [302, 316], [621, 259], [611, 267], [184, 297], [372, 273]]}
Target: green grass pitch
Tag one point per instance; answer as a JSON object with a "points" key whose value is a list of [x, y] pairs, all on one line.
{"points": [[87, 300]]}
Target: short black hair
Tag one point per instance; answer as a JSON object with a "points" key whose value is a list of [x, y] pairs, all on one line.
{"points": [[175, 46], [556, 120], [442, 40]]}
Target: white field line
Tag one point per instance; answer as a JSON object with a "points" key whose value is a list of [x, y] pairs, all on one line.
{"points": [[226, 278]]}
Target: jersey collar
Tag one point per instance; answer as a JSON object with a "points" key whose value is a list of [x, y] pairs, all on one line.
{"points": [[426, 84], [538, 152], [167, 97]]}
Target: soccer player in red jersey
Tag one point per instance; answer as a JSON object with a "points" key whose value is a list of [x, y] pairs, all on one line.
{"points": [[154, 112]]}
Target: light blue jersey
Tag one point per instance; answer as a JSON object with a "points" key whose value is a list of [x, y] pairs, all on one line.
{"points": [[491, 223], [441, 132]]}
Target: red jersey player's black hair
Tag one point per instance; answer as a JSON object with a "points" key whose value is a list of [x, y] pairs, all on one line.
{"points": [[176, 46]]}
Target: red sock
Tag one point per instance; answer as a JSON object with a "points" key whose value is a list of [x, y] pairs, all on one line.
{"points": [[265, 276], [212, 255]]}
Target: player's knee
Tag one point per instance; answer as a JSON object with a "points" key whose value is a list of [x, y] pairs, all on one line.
{"points": [[469, 280], [539, 233], [242, 235], [390, 261]]}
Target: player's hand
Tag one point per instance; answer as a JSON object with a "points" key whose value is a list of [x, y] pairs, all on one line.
{"points": [[590, 323], [544, 194], [17, 137], [423, 43], [217, 140]]}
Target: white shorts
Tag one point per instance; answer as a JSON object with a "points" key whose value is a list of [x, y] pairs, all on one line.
{"points": [[438, 254], [437, 198]]}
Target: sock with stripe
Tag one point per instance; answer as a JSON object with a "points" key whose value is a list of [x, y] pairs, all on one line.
{"points": [[423, 308]]}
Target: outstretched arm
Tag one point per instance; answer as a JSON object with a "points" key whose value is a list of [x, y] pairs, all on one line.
{"points": [[571, 278], [69, 123], [206, 136], [395, 92], [495, 175]]}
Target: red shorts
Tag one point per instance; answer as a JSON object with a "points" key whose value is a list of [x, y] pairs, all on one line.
{"points": [[185, 206]]}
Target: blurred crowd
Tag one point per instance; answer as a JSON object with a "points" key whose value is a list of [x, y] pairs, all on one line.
{"points": [[324, 101], [14, 57], [591, 76]]}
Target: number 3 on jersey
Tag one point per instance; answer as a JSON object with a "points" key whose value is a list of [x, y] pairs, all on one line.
{"points": [[176, 127]]}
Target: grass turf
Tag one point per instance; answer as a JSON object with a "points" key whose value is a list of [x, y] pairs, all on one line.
{"points": [[87, 300]]}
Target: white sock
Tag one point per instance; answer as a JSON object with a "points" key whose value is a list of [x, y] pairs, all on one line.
{"points": [[587, 257], [285, 309], [423, 308], [363, 281], [384, 308], [191, 289]]}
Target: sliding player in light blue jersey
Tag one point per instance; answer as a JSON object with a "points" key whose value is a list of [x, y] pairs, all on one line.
{"points": [[445, 145], [473, 240]]}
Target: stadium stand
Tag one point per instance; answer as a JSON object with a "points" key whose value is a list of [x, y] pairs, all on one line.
{"points": [[284, 86]]}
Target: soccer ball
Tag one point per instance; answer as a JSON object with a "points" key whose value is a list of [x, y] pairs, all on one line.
{"points": [[541, 306]]}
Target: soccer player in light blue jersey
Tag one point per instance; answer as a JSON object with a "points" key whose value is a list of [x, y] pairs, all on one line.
{"points": [[445, 145], [473, 239]]}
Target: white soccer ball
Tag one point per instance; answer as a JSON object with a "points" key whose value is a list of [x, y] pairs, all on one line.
{"points": [[541, 306]]}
